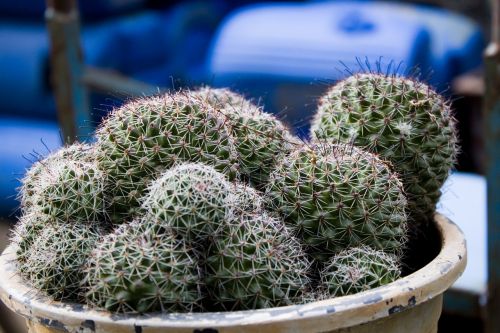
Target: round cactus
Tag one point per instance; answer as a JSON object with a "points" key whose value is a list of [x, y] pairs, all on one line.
{"points": [[260, 138], [26, 231], [54, 262], [144, 137], [137, 269], [338, 196], [255, 263], [358, 269], [72, 191], [402, 120], [246, 199], [30, 183], [192, 199]]}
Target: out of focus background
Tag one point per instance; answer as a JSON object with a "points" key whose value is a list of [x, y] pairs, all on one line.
{"points": [[60, 73]]}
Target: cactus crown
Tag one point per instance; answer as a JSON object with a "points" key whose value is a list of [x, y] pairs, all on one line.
{"points": [[54, 263], [137, 269], [402, 120], [30, 183], [358, 269], [260, 138], [256, 263], [192, 199], [144, 137], [337, 196]]}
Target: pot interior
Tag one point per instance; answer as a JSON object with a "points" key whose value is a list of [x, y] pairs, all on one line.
{"points": [[424, 244]]}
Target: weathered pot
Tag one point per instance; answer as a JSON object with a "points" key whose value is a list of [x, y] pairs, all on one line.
{"points": [[411, 304]]}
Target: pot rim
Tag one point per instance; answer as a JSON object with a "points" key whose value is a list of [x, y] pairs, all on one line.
{"points": [[414, 289]]}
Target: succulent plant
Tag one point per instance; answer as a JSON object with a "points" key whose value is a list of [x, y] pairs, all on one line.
{"points": [[142, 267], [260, 138], [224, 98], [255, 263], [72, 191], [26, 231], [246, 199], [404, 121], [30, 183], [192, 199], [147, 136], [338, 196], [358, 269], [54, 262]]}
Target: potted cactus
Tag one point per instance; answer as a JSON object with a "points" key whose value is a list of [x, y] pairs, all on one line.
{"points": [[197, 211]]}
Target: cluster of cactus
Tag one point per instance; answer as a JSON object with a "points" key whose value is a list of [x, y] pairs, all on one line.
{"points": [[201, 201]]}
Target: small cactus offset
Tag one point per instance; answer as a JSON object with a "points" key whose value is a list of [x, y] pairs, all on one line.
{"points": [[402, 120], [337, 196], [246, 199], [72, 191], [255, 263], [138, 269], [358, 269], [191, 199], [30, 184], [56, 258], [259, 137], [145, 137], [27, 229]]}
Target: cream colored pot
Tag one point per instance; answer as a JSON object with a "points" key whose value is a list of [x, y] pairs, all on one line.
{"points": [[411, 304]]}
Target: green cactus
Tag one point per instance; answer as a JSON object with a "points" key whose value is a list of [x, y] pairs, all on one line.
{"points": [[192, 199], [358, 269], [147, 136], [260, 138], [402, 120], [224, 98], [54, 262], [338, 196], [246, 199], [255, 263], [72, 191], [30, 183], [26, 231], [141, 268]]}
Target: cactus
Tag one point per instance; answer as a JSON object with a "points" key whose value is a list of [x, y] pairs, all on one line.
{"points": [[255, 263], [260, 138], [54, 262], [402, 120], [141, 268], [192, 199], [246, 199], [358, 269], [30, 183], [338, 196], [224, 98], [26, 231], [72, 191], [145, 137]]}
